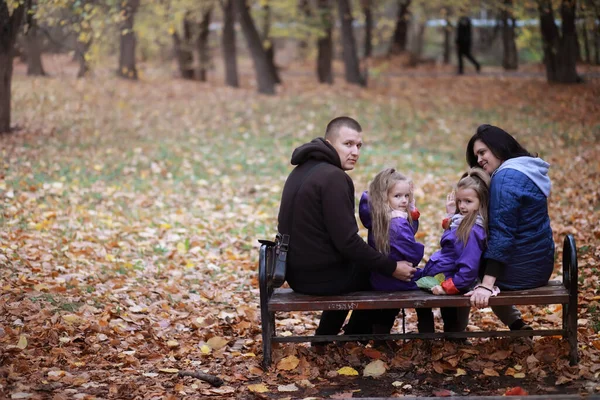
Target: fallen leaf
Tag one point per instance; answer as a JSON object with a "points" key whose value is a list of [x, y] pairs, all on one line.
{"points": [[348, 371], [499, 355], [258, 388], [460, 372], [287, 388], [169, 370], [172, 344], [22, 344], [375, 368], [516, 391], [372, 353], [289, 363], [217, 342], [562, 380], [490, 372], [442, 393]]}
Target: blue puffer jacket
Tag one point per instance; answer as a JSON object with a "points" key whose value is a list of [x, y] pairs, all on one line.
{"points": [[519, 226]]}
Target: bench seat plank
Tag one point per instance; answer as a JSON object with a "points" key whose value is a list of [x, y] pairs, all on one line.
{"points": [[288, 300]]}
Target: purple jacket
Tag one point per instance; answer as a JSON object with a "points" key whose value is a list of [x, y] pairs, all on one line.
{"points": [[403, 247], [457, 261]]}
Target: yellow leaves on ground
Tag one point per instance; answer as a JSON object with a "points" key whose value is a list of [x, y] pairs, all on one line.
{"points": [[347, 371], [288, 363], [217, 342], [258, 388], [22, 344], [169, 370]]}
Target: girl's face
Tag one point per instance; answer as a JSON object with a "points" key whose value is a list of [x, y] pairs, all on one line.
{"points": [[467, 201], [485, 158], [399, 196]]}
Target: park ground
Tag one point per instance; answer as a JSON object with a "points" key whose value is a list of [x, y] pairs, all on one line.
{"points": [[130, 213]]}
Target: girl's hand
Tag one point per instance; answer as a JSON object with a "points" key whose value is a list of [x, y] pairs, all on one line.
{"points": [[480, 296], [451, 203], [437, 289]]}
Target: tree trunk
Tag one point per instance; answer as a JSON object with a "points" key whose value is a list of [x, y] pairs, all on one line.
{"points": [[597, 33], [569, 45], [586, 42], [304, 8], [33, 50], [203, 48], [264, 77], [399, 38], [325, 43], [9, 26], [228, 43], [351, 65], [183, 51], [560, 55], [127, 68], [417, 41], [268, 42], [510, 58], [81, 50], [447, 40], [366, 6]]}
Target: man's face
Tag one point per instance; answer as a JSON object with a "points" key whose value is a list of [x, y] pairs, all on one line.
{"points": [[347, 143]]}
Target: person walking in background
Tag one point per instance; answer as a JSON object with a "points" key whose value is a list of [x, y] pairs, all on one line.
{"points": [[463, 43]]}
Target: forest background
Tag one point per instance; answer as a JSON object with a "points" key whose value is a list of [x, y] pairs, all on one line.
{"points": [[145, 149]]}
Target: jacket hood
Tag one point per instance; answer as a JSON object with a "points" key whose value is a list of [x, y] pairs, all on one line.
{"points": [[534, 168], [317, 149]]}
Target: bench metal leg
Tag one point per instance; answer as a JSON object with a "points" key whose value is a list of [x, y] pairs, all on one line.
{"points": [[266, 317], [570, 280]]}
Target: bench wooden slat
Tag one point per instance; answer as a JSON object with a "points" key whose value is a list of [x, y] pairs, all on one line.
{"points": [[288, 300]]}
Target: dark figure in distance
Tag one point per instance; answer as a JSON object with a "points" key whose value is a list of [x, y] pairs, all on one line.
{"points": [[463, 43]]}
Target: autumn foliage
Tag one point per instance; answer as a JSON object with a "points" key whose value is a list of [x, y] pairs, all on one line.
{"points": [[130, 214]]}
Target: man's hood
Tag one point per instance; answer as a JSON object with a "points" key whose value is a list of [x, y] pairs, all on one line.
{"points": [[317, 149], [534, 168]]}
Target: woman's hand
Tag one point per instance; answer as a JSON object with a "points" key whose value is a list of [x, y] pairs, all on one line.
{"points": [[480, 296], [437, 289], [451, 203]]}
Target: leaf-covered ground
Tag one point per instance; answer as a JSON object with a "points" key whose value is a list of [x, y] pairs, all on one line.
{"points": [[130, 214]]}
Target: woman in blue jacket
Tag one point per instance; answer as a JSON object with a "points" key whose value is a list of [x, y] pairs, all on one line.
{"points": [[520, 252]]}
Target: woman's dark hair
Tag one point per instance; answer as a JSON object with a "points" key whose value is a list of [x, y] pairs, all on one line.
{"points": [[500, 143]]}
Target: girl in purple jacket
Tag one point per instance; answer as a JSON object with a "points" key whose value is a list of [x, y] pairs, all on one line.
{"points": [[463, 243], [387, 210], [464, 237]]}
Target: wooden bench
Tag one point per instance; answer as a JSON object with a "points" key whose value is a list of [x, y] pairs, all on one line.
{"points": [[273, 299]]}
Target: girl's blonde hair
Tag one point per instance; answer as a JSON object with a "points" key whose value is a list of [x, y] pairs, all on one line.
{"points": [[478, 180], [380, 207]]}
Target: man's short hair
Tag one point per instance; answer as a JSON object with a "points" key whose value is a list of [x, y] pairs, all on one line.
{"points": [[334, 126]]}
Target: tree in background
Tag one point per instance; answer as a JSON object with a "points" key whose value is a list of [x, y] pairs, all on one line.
{"points": [[399, 38], [560, 49], [228, 44], [264, 77], [366, 6], [324, 42], [203, 48], [9, 26], [33, 44], [350, 57], [267, 40], [127, 68], [510, 57], [182, 44]]}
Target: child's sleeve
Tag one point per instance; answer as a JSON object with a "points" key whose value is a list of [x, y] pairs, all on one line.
{"points": [[403, 244], [467, 264]]}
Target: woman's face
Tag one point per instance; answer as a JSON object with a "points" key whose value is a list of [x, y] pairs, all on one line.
{"points": [[485, 158]]}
